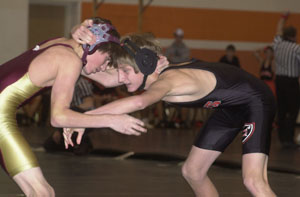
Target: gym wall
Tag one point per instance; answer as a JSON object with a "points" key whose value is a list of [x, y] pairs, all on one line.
{"points": [[209, 26]]}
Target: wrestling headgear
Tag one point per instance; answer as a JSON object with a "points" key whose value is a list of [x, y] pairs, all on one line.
{"points": [[100, 31], [145, 59]]}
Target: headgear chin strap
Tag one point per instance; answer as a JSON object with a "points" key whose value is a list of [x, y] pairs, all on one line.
{"points": [[100, 31], [145, 59]]}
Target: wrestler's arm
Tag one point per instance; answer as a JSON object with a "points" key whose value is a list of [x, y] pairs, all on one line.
{"points": [[61, 96], [156, 92], [107, 78]]}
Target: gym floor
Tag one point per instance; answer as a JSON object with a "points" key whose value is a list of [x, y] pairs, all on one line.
{"points": [[153, 168]]}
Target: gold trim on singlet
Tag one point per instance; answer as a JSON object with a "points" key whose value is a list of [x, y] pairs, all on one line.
{"points": [[15, 151]]}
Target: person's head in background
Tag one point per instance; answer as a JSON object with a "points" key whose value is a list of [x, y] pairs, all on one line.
{"points": [[178, 35], [289, 34], [269, 52], [230, 52]]}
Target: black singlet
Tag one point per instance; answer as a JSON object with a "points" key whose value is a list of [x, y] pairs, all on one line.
{"points": [[243, 104], [235, 87]]}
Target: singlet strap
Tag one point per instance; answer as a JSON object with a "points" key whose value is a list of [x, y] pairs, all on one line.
{"points": [[55, 44], [45, 41], [192, 61]]}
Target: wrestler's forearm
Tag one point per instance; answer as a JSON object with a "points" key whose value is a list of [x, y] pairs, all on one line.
{"points": [[108, 78], [121, 106], [69, 118]]}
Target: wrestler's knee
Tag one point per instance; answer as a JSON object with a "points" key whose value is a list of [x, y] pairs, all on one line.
{"points": [[33, 183], [192, 172], [41, 190], [254, 183]]}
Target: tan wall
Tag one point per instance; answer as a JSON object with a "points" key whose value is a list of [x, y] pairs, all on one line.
{"points": [[13, 31], [45, 21], [14, 22]]}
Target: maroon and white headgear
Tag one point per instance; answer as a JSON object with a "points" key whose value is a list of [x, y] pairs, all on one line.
{"points": [[102, 36]]}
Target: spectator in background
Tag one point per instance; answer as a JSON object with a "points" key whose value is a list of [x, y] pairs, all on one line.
{"points": [[178, 51], [265, 57], [287, 62], [230, 57], [83, 95]]}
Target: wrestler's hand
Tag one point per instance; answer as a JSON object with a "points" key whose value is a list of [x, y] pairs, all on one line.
{"points": [[81, 33], [128, 125], [68, 136]]}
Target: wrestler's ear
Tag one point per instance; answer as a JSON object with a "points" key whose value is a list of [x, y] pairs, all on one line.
{"points": [[162, 63]]}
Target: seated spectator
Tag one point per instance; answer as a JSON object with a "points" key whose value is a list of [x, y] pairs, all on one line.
{"points": [[230, 57], [178, 51], [265, 57]]}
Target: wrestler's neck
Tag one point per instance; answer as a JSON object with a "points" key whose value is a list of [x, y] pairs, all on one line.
{"points": [[151, 79], [76, 47], [154, 76]]}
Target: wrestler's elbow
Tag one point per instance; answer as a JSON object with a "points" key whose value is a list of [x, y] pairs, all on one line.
{"points": [[140, 103], [58, 120]]}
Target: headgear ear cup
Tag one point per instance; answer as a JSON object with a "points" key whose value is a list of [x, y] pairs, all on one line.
{"points": [[145, 58]]}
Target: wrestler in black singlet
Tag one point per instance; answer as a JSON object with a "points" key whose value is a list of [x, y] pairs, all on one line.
{"points": [[241, 102]]}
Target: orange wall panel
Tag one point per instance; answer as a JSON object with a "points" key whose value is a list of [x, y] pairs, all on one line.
{"points": [[124, 17], [198, 24], [201, 24]]}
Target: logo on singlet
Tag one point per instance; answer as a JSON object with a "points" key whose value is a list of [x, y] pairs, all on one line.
{"points": [[36, 48], [212, 104], [248, 131]]}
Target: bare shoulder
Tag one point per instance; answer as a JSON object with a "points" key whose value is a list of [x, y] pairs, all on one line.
{"points": [[187, 82], [57, 53], [169, 74], [46, 66], [66, 59], [62, 53]]}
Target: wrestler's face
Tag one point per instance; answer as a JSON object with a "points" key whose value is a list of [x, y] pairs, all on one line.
{"points": [[128, 77], [96, 62]]}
